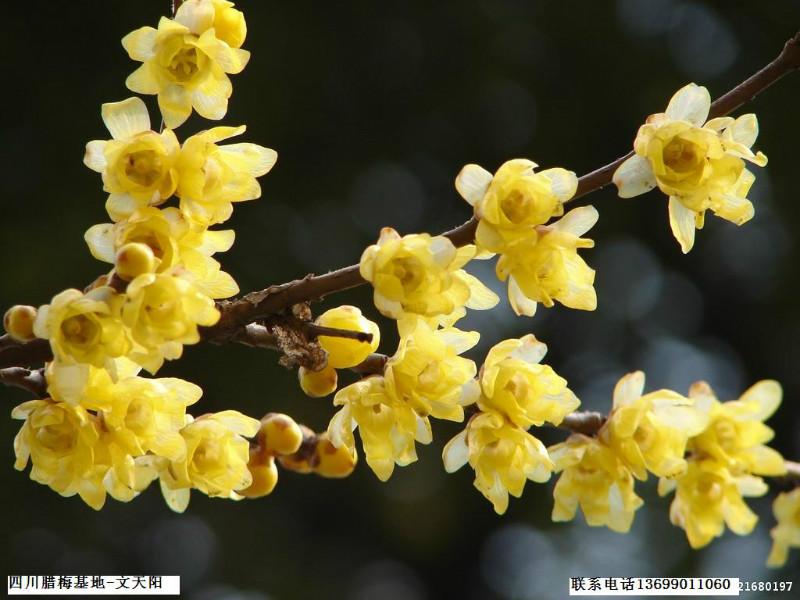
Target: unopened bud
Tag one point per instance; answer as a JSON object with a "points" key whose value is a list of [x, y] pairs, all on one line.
{"points": [[18, 322], [281, 434], [135, 259], [331, 461], [318, 384]]}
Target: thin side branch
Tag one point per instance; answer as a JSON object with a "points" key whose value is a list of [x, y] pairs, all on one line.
{"points": [[26, 379]]}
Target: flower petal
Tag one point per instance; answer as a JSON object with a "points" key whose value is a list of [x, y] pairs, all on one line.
{"points": [[690, 103], [472, 183], [682, 221], [563, 183], [578, 221], [125, 119], [634, 177]]}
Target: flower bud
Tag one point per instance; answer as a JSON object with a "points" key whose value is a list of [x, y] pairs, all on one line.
{"points": [[330, 461], [344, 353], [135, 259], [281, 435], [265, 478], [318, 384], [18, 322]]}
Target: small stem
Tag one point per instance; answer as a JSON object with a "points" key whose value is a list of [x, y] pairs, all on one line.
{"points": [[314, 331], [26, 379]]}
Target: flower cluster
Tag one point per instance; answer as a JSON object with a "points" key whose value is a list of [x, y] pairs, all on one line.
{"points": [[539, 260], [726, 460], [515, 393], [104, 429], [643, 434], [699, 164], [425, 378]]}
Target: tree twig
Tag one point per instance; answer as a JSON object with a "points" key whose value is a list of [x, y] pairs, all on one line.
{"points": [[26, 379]]}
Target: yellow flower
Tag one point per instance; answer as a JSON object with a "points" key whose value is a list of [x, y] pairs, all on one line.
{"points": [[216, 459], [786, 534], [513, 201], [736, 433], [185, 70], [388, 427], [596, 480], [344, 353], [163, 312], [527, 393], [545, 265], [427, 373], [421, 275], [698, 164], [650, 432], [212, 176], [201, 15], [59, 439], [707, 497], [503, 455], [174, 242], [84, 328], [79, 383], [146, 415], [137, 165]]}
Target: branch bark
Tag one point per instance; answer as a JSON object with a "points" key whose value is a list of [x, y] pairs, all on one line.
{"points": [[26, 379]]}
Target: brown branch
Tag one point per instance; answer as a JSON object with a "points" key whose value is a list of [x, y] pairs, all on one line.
{"points": [[26, 379], [587, 422]]}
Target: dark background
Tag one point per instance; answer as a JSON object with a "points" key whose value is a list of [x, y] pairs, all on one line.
{"points": [[373, 109]]}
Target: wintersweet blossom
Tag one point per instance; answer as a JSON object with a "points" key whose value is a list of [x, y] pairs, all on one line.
{"points": [[163, 312], [786, 534], [388, 427], [137, 165], [725, 461], [503, 455], [84, 328], [510, 203], [201, 15], [545, 266], [699, 164], [514, 384], [595, 479], [421, 275], [185, 70], [708, 497], [215, 463], [649, 432], [59, 439], [213, 176], [427, 373], [174, 241]]}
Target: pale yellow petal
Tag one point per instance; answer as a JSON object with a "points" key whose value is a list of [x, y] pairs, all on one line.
{"points": [[634, 177], [94, 158], [125, 119], [563, 183], [690, 103], [140, 44], [472, 183], [682, 221]]}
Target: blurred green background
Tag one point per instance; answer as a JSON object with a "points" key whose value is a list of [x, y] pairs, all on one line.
{"points": [[373, 108]]}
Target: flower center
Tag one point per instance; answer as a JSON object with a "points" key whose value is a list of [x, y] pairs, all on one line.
{"points": [[143, 167], [515, 206], [409, 271], [183, 65], [682, 156], [79, 330]]}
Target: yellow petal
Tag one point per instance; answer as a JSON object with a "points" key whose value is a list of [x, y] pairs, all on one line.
{"points": [[472, 183], [125, 119], [140, 44], [634, 177], [682, 223], [690, 103]]}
